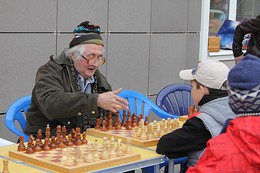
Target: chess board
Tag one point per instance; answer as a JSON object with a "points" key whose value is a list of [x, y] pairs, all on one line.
{"points": [[53, 160], [123, 134], [128, 135]]}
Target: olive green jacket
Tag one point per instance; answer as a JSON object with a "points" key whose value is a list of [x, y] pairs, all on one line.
{"points": [[56, 99]]}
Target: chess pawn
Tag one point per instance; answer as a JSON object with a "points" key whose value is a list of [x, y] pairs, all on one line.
{"points": [[155, 127], [69, 161], [53, 144], [89, 157], [46, 146], [110, 124], [104, 124], [5, 167], [97, 126], [84, 138], [37, 147], [118, 126], [21, 146], [135, 135], [29, 149], [128, 148], [124, 119], [61, 144], [69, 141], [119, 149], [150, 131], [112, 152], [146, 121], [78, 156], [96, 154], [64, 156], [143, 135], [104, 154], [78, 137]]}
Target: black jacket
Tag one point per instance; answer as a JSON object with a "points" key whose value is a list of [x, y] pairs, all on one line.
{"points": [[250, 26]]}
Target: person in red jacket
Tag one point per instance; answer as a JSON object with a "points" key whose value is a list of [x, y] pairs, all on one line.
{"points": [[237, 149]]}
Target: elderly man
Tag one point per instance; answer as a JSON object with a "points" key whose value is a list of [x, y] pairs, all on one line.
{"points": [[69, 89]]}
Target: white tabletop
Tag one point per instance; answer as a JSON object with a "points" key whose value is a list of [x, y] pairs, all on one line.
{"points": [[4, 142]]}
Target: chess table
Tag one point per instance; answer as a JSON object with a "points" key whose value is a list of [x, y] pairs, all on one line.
{"points": [[148, 158]]}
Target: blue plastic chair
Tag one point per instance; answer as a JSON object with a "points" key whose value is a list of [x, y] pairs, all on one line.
{"points": [[175, 99], [15, 113], [140, 104]]}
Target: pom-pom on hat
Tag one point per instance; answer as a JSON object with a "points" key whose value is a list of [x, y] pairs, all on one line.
{"points": [[210, 73], [86, 33], [244, 84]]}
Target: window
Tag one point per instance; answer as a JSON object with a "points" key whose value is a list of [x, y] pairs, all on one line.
{"points": [[215, 13]]}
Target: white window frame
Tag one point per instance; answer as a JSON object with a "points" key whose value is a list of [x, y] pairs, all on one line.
{"points": [[203, 53]]}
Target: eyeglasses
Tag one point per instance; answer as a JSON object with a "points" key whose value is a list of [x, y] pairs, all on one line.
{"points": [[91, 59]]}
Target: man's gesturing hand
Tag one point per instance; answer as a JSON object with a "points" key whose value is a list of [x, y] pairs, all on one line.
{"points": [[110, 101]]}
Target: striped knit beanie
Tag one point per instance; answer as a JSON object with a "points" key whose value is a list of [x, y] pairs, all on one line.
{"points": [[244, 86], [86, 33]]}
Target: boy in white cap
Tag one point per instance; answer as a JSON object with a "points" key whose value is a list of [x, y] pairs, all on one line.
{"points": [[210, 93], [238, 148]]}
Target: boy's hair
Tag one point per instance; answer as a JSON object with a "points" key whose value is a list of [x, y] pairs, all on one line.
{"points": [[211, 90]]}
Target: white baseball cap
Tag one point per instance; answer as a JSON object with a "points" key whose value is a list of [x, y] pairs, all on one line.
{"points": [[210, 73]]}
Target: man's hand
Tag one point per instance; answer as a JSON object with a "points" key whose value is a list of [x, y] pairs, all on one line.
{"points": [[110, 101], [238, 58]]}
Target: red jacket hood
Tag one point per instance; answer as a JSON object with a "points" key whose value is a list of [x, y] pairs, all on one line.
{"points": [[244, 132]]}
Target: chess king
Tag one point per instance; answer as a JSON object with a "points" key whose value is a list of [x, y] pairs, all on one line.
{"points": [[69, 89]]}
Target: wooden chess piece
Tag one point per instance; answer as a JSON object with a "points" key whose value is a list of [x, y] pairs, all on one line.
{"points": [[61, 144], [64, 133], [5, 167], [39, 136], [32, 140], [29, 149], [104, 154], [104, 124], [48, 131], [84, 138], [78, 137], [53, 142], [97, 126], [134, 117], [128, 148], [21, 146], [46, 146], [110, 124], [123, 124], [112, 151], [73, 134], [119, 149], [37, 147], [69, 142], [96, 154], [118, 126], [146, 121], [116, 119]]}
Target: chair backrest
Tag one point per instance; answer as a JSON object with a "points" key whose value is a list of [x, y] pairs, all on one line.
{"points": [[140, 104], [16, 113], [175, 99]]}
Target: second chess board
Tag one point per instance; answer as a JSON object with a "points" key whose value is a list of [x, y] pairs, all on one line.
{"points": [[124, 135]]}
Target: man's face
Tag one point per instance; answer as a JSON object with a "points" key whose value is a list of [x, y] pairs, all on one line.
{"points": [[82, 64]]}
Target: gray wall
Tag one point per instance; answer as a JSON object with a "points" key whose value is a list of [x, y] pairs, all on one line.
{"points": [[147, 42]]}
